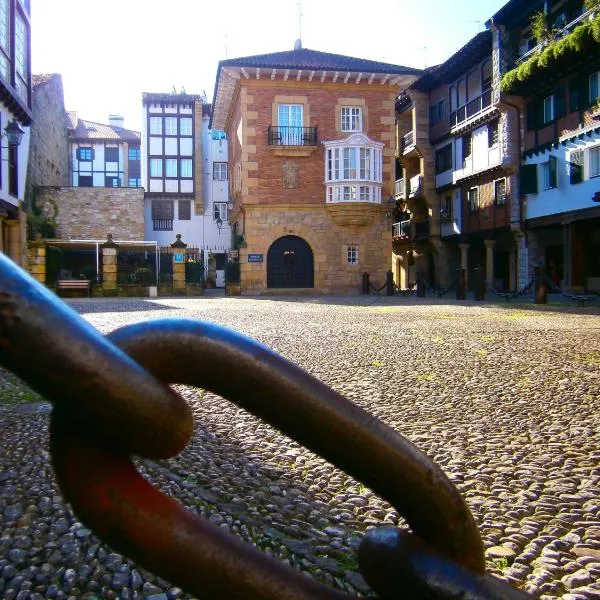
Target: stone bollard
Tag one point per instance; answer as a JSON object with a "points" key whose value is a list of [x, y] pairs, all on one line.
{"points": [[420, 284], [110, 252], [541, 286], [365, 283], [36, 260], [389, 284], [178, 249], [461, 285], [479, 284]]}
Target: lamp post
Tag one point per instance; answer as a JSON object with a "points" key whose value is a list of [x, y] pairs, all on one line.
{"points": [[14, 134]]}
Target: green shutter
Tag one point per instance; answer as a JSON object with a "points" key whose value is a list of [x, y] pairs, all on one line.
{"points": [[553, 172], [529, 181]]}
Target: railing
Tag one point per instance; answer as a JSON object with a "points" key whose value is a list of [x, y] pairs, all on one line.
{"points": [[471, 109], [292, 136], [445, 215], [162, 224], [559, 34], [421, 231], [401, 230], [415, 185], [399, 189], [408, 141]]}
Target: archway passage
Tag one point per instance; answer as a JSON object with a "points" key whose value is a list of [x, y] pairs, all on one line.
{"points": [[290, 263]]}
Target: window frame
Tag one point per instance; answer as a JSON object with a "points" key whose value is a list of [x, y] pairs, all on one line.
{"points": [[350, 122], [594, 151], [550, 173], [497, 200], [493, 130], [134, 153], [156, 173], [473, 206], [220, 211], [220, 171], [137, 182], [152, 121], [171, 168], [442, 153], [185, 133], [112, 150], [79, 153], [593, 98], [548, 102], [186, 161], [187, 213], [114, 179], [169, 121], [352, 254]]}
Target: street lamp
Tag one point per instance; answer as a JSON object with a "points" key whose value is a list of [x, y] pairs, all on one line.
{"points": [[390, 206], [14, 134]]}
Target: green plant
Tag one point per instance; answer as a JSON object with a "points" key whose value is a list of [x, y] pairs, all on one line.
{"points": [[232, 272], [144, 276], [540, 28], [54, 262], [41, 221]]}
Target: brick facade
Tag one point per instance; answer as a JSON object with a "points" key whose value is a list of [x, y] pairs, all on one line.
{"points": [[89, 213]]}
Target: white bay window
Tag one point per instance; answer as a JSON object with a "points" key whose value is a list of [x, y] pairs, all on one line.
{"points": [[353, 170]]}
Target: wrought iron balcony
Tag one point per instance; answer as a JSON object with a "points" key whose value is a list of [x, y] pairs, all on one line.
{"points": [[471, 109], [399, 189], [292, 136], [162, 224]]}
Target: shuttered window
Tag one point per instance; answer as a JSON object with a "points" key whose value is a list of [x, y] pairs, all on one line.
{"points": [[528, 177]]}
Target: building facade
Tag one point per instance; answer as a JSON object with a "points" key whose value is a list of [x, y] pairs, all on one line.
{"points": [[311, 155], [15, 109], [103, 155], [185, 175], [560, 85]]}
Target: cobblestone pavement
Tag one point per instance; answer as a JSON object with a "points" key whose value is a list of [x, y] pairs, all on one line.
{"points": [[505, 398]]}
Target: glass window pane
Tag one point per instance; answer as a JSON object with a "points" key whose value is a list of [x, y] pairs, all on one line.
{"points": [[170, 125], [185, 126]]}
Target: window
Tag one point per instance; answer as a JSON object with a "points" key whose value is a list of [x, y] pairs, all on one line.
{"points": [[576, 167], [184, 209], [467, 146], [135, 182], [594, 87], [443, 159], [351, 118], [500, 192], [446, 208], [85, 181], [111, 155], [473, 199], [4, 38], [111, 181], [290, 115], [493, 133], [220, 171], [21, 44], [220, 211], [595, 161], [548, 109], [364, 193], [156, 167], [185, 126], [219, 135], [162, 215], [549, 174], [156, 125], [85, 154], [349, 168], [437, 112], [170, 125], [352, 254], [171, 167], [185, 168], [134, 154]]}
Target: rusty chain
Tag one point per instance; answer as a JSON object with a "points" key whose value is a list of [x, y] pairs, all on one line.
{"points": [[102, 387]]}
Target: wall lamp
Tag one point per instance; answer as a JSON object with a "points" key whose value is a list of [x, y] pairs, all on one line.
{"points": [[14, 134], [390, 207]]}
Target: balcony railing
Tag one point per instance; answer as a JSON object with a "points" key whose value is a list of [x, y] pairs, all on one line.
{"points": [[292, 136], [415, 185], [408, 141], [471, 109], [399, 189], [162, 224], [559, 34], [401, 230]]}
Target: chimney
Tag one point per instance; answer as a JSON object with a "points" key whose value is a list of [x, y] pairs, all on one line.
{"points": [[116, 120]]}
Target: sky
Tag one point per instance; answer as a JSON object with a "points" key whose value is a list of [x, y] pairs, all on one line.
{"points": [[110, 51]]}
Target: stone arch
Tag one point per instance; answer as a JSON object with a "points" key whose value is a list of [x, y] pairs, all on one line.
{"points": [[290, 263]]}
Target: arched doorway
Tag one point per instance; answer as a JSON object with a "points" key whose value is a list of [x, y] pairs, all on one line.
{"points": [[290, 263]]}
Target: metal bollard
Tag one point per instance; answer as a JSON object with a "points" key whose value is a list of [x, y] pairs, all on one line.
{"points": [[420, 284], [461, 285], [389, 284], [541, 287], [479, 284], [365, 283]]}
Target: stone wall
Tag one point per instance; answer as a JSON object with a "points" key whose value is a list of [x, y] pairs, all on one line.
{"points": [[328, 241], [91, 213], [48, 147]]}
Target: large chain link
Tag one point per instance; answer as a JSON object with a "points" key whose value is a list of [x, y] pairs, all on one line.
{"points": [[102, 388]]}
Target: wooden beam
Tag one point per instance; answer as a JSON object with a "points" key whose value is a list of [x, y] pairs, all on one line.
{"points": [[312, 74], [299, 75], [384, 79], [347, 77], [335, 76], [257, 72], [286, 74], [323, 75], [245, 73], [273, 74], [371, 78], [359, 77]]}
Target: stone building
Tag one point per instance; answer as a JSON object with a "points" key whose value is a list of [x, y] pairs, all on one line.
{"points": [[311, 156], [15, 112]]}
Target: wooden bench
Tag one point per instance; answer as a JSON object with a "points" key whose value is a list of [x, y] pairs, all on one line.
{"points": [[74, 284]]}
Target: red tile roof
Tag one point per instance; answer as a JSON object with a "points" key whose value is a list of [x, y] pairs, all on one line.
{"points": [[89, 130]]}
